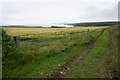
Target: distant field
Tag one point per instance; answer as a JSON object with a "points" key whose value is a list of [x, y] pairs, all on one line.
{"points": [[19, 31]]}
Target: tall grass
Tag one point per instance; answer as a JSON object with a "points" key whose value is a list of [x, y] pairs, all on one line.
{"points": [[15, 56]]}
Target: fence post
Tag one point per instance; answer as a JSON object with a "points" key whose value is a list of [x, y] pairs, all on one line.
{"points": [[16, 39], [88, 31], [46, 36], [33, 37]]}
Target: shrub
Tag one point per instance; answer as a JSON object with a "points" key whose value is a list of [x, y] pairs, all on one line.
{"points": [[9, 48]]}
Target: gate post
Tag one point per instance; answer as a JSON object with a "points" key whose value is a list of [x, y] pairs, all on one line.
{"points": [[16, 39], [88, 31]]}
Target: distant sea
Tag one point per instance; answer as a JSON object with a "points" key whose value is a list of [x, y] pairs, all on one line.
{"points": [[42, 25]]}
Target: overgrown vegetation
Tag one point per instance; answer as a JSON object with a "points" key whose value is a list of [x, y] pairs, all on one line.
{"points": [[16, 56], [90, 65], [10, 51], [36, 60]]}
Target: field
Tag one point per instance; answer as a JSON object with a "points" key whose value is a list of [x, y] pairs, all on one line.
{"points": [[87, 56], [46, 34], [20, 31]]}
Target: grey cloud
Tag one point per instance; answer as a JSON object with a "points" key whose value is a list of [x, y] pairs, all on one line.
{"points": [[48, 13]]}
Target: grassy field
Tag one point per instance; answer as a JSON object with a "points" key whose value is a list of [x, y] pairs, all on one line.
{"points": [[84, 57], [20, 31]]}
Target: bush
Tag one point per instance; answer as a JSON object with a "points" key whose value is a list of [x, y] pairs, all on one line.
{"points": [[10, 53], [9, 48]]}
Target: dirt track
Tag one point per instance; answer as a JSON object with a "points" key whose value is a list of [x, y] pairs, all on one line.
{"points": [[63, 72], [107, 62]]}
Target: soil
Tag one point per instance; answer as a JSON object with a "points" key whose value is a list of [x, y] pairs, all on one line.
{"points": [[108, 66], [63, 71]]}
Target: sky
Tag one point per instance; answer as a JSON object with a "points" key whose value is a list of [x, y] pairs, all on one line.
{"points": [[52, 12]]}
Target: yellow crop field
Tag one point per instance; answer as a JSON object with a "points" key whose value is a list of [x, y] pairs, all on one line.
{"points": [[12, 31]]}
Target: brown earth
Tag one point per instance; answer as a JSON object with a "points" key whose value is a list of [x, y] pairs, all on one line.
{"points": [[65, 69]]}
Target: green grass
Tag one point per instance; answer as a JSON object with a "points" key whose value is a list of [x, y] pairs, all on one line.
{"points": [[88, 66], [48, 65], [115, 66], [95, 63], [45, 54], [33, 60]]}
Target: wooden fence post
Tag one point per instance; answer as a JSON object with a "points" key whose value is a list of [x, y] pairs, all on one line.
{"points": [[16, 39], [46, 36], [88, 31], [33, 37]]}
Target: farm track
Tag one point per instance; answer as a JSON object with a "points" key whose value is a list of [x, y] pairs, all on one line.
{"points": [[76, 59], [107, 61], [63, 72]]}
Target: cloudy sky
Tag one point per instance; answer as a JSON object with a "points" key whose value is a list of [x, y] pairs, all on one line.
{"points": [[47, 12]]}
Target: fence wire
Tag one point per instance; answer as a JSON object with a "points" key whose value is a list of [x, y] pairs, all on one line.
{"points": [[50, 36]]}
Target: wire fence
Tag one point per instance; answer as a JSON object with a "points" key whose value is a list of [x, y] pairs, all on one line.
{"points": [[50, 36]]}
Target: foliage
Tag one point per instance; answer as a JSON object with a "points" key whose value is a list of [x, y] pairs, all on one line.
{"points": [[10, 48], [95, 24], [57, 27], [25, 57]]}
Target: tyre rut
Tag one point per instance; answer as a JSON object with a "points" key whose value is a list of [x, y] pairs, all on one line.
{"points": [[65, 69]]}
